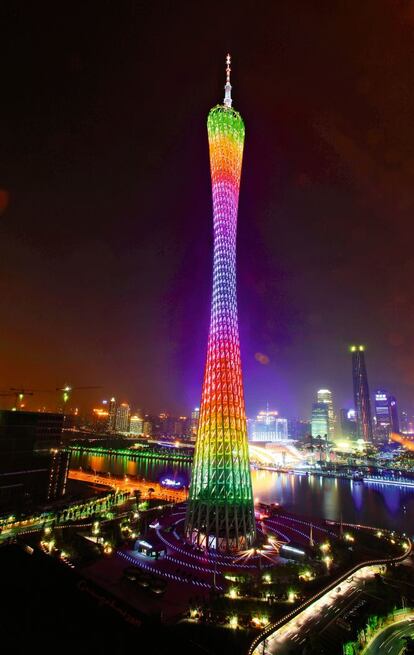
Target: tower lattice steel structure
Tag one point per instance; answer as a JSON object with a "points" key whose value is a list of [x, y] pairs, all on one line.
{"points": [[220, 511]]}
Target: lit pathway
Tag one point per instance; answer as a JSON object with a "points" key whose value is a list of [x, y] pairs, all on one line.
{"points": [[128, 484]]}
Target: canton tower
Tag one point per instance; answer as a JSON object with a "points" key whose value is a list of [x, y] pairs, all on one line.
{"points": [[220, 512]]}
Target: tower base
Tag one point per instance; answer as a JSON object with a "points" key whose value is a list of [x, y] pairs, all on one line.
{"points": [[225, 527]]}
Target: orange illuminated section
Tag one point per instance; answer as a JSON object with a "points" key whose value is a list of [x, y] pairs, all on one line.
{"points": [[100, 413], [399, 438]]}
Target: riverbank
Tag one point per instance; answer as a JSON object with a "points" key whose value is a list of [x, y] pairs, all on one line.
{"points": [[314, 496]]}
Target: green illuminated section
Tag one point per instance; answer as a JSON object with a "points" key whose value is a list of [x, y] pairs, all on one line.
{"points": [[222, 120], [142, 453]]}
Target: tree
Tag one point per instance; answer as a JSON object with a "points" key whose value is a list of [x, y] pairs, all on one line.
{"points": [[409, 645]]}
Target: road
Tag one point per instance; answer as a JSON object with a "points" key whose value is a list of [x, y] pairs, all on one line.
{"points": [[320, 616], [388, 641], [128, 484]]}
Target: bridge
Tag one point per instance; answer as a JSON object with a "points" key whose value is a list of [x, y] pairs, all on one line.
{"points": [[167, 454], [279, 454]]}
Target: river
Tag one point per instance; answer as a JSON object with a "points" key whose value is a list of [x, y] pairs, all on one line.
{"points": [[311, 496]]}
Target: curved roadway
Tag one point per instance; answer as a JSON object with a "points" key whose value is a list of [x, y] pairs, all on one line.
{"points": [[301, 621], [389, 641]]}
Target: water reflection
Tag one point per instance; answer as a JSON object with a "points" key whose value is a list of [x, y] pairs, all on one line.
{"points": [[329, 498], [144, 469], [393, 499], [376, 505], [356, 491]]}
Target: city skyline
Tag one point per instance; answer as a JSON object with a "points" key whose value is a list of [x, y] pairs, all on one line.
{"points": [[54, 396], [89, 236], [82, 407]]}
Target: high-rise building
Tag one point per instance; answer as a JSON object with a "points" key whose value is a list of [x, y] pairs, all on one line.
{"points": [[100, 418], [220, 512], [122, 418], [195, 416], [325, 396], [33, 468], [136, 424], [382, 416], [394, 418], [268, 426], [298, 429], [320, 420], [348, 423], [181, 426], [164, 425], [147, 427], [112, 415], [361, 394], [59, 469], [404, 421]]}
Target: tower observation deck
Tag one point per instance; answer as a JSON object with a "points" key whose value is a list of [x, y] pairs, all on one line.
{"points": [[220, 512]]}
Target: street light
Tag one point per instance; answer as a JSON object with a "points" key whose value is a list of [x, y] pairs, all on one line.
{"points": [[328, 561]]}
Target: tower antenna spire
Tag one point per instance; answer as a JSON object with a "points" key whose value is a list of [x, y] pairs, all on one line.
{"points": [[227, 89]]}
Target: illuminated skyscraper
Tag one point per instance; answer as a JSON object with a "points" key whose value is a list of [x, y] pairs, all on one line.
{"points": [[394, 418], [111, 415], [195, 417], [320, 420], [268, 426], [325, 396], [404, 421], [220, 511], [122, 418], [136, 425], [361, 394], [147, 428], [382, 416], [100, 416], [348, 423]]}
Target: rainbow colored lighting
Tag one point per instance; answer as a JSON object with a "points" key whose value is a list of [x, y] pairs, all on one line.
{"points": [[220, 511]]}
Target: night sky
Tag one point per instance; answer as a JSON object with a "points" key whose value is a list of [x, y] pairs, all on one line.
{"points": [[105, 201]]}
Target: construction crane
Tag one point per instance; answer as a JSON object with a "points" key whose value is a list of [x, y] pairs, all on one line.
{"points": [[67, 391], [20, 394]]}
